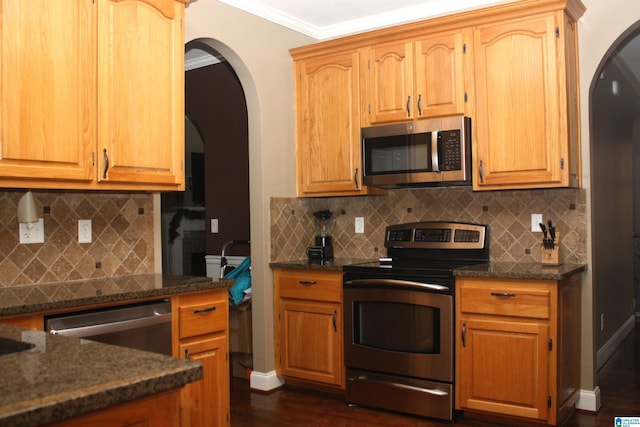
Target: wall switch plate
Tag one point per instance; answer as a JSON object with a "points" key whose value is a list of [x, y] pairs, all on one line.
{"points": [[32, 232], [84, 231], [214, 225], [536, 219], [359, 224]]}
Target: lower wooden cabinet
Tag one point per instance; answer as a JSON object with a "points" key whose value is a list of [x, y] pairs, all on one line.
{"points": [[309, 332], [29, 321], [160, 410], [201, 325], [518, 347]]}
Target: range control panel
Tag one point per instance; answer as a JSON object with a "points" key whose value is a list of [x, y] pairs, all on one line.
{"points": [[436, 235]]}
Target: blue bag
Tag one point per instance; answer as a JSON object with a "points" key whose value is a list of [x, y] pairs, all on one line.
{"points": [[242, 276]]}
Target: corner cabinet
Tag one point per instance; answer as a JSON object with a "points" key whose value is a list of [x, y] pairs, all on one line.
{"points": [[518, 347], [309, 332], [200, 328], [526, 124], [83, 104], [328, 150], [416, 78]]}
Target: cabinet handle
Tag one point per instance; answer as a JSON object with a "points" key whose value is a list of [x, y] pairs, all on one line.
{"points": [[503, 294], [480, 172], [335, 321], [204, 310], [420, 104], [186, 354], [464, 334], [106, 163], [307, 282], [355, 179], [409, 106]]}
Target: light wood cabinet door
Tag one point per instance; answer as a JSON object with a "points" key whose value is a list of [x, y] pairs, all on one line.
{"points": [[440, 74], [48, 95], [311, 341], [504, 367], [328, 126], [390, 82], [141, 92], [206, 402], [520, 135]]}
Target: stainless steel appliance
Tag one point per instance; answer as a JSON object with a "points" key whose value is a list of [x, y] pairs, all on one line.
{"points": [[144, 326], [433, 152], [399, 318]]}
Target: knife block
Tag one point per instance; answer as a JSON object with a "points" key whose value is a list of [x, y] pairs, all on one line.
{"points": [[551, 257]]}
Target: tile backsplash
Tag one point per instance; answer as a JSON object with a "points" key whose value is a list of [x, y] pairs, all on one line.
{"points": [[508, 214], [122, 237]]}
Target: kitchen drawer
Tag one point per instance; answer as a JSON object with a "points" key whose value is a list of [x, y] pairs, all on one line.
{"points": [[201, 314], [505, 299], [310, 285]]}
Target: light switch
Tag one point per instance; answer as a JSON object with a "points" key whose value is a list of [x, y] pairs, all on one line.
{"points": [[214, 225]]}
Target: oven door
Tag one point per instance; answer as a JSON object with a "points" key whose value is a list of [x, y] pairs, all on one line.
{"points": [[399, 330]]}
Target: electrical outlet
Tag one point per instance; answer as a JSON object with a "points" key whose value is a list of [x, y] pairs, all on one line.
{"points": [[359, 224], [536, 219], [602, 322], [84, 231], [214, 226], [32, 232]]}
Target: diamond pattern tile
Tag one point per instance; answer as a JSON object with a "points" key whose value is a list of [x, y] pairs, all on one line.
{"points": [[122, 238], [508, 214]]}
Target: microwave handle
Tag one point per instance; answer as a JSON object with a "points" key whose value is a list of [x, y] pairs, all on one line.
{"points": [[435, 152]]}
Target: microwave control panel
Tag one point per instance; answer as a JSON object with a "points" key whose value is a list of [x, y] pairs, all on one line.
{"points": [[450, 150]]}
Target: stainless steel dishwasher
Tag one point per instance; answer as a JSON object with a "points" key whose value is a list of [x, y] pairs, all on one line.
{"points": [[143, 326]]}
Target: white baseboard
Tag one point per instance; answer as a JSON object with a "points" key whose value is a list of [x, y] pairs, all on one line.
{"points": [[604, 353], [589, 400], [265, 381]]}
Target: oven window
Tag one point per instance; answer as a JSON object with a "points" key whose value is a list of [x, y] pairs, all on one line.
{"points": [[398, 154], [394, 326]]}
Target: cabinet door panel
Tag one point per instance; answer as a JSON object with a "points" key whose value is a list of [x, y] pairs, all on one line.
{"points": [[439, 75], [48, 80], [504, 367], [391, 82], [311, 341], [519, 137], [141, 124], [206, 402], [328, 124]]}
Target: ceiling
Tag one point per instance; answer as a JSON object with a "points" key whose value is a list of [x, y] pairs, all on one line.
{"points": [[325, 19]]}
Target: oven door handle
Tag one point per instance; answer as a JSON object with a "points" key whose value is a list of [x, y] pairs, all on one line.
{"points": [[398, 282], [433, 391]]}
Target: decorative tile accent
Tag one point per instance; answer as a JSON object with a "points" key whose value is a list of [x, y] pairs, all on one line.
{"points": [[508, 214], [122, 238]]}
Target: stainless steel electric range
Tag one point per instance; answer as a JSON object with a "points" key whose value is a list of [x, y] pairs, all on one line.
{"points": [[399, 318]]}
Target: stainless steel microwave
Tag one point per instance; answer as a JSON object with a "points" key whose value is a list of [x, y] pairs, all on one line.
{"points": [[433, 152]]}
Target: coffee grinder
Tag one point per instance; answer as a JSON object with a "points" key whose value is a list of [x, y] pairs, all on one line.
{"points": [[323, 249]]}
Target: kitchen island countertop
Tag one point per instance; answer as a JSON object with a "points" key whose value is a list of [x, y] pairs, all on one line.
{"points": [[59, 296], [61, 377]]}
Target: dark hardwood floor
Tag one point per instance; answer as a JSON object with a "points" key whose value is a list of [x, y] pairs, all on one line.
{"points": [[619, 381]]}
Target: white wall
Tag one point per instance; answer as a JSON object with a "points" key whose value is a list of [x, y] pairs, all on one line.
{"points": [[258, 52]]}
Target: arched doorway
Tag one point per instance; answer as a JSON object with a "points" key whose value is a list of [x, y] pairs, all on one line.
{"points": [[615, 190]]}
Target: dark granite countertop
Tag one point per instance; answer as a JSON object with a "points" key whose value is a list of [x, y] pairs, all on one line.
{"points": [[62, 377], [49, 297], [504, 270], [519, 270], [304, 264]]}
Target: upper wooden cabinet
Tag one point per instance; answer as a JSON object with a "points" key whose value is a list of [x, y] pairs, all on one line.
{"points": [[413, 79], [511, 67], [82, 94], [526, 119], [328, 125]]}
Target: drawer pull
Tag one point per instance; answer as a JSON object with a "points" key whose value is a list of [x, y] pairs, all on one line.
{"points": [[186, 354], [204, 310], [503, 294], [308, 282]]}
